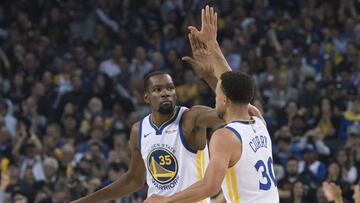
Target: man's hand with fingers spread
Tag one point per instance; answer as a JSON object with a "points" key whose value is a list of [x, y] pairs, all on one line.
{"points": [[207, 39], [208, 31], [201, 60]]}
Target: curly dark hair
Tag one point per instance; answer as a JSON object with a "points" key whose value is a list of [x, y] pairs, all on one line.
{"points": [[238, 86]]}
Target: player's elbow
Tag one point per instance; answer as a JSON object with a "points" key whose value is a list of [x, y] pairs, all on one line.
{"points": [[139, 183], [135, 181], [211, 188]]}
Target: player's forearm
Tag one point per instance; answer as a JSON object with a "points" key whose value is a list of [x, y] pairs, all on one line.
{"points": [[197, 192], [122, 187], [211, 80], [220, 64]]}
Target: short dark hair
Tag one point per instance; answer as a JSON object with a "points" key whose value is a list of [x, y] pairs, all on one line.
{"points": [[238, 86], [151, 74]]}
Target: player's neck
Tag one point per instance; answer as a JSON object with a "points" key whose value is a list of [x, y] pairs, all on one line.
{"points": [[237, 112], [158, 119]]}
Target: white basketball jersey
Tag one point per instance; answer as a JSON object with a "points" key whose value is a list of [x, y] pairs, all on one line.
{"points": [[251, 179], [171, 165]]}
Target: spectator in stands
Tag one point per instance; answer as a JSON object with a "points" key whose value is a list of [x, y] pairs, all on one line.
{"points": [[312, 167], [292, 176], [335, 175], [350, 119], [112, 67], [187, 93], [298, 193], [349, 172], [140, 64]]}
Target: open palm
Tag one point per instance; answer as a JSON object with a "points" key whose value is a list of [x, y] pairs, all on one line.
{"points": [[201, 60], [208, 31]]}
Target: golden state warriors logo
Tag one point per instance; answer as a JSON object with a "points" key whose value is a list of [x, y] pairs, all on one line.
{"points": [[163, 167]]}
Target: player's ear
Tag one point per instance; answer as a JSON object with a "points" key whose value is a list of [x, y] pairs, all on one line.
{"points": [[146, 97]]}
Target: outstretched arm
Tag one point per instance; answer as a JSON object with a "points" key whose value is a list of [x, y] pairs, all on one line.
{"points": [[130, 182], [208, 60], [207, 35], [201, 61], [214, 175]]}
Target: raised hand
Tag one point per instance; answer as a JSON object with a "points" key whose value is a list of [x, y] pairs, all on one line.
{"points": [[207, 36], [208, 31], [201, 61], [332, 192]]}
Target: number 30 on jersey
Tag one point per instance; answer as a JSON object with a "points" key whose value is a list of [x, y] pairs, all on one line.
{"points": [[268, 177]]}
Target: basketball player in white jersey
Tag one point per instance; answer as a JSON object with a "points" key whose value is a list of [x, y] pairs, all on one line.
{"points": [[168, 147], [241, 152]]}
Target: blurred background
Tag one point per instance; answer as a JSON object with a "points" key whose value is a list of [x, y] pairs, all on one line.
{"points": [[71, 87]]}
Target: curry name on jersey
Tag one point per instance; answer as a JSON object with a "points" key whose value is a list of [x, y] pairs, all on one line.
{"points": [[251, 179]]}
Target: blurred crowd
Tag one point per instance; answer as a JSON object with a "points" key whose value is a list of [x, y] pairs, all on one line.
{"points": [[71, 87]]}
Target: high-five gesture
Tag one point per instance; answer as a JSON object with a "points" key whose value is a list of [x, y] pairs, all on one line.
{"points": [[207, 34], [201, 61]]}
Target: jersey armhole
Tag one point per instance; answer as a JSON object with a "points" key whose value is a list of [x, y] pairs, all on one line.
{"points": [[239, 137], [182, 135], [140, 134], [235, 132]]}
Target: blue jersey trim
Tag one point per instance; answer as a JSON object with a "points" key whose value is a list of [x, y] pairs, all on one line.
{"points": [[140, 133], [234, 131], [248, 122], [158, 131], [182, 136]]}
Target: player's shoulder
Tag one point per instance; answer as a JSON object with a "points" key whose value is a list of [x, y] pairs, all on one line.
{"points": [[224, 137], [196, 110], [134, 135], [200, 108], [135, 127], [223, 134]]}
